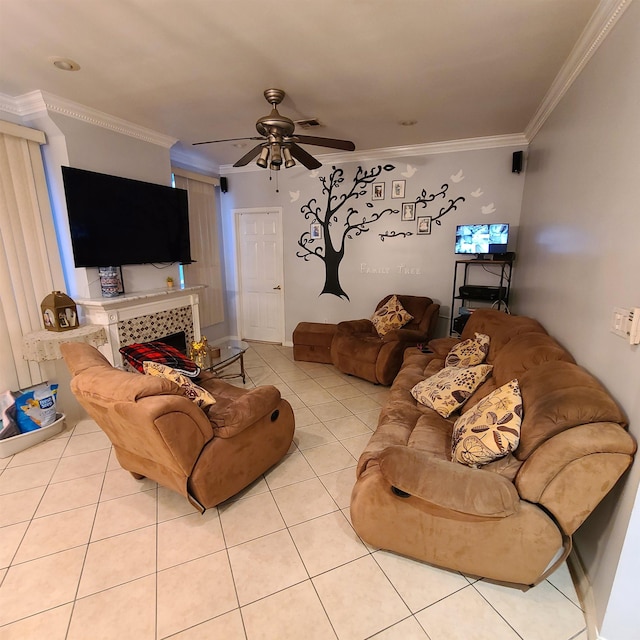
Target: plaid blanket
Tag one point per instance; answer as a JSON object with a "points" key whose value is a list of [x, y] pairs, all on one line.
{"points": [[136, 354]]}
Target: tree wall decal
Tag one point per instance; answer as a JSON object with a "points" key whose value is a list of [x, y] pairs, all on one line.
{"points": [[340, 220]]}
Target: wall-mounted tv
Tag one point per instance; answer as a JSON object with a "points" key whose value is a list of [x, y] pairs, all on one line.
{"points": [[482, 238], [116, 221]]}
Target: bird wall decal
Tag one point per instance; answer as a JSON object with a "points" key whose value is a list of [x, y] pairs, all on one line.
{"points": [[490, 208], [410, 171]]}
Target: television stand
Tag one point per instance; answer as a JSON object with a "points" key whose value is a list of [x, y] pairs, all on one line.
{"points": [[500, 288]]}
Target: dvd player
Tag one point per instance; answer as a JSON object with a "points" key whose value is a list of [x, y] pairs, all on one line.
{"points": [[479, 292]]}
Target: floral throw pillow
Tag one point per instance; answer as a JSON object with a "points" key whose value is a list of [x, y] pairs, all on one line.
{"points": [[469, 352], [192, 391], [391, 315], [491, 429], [450, 388]]}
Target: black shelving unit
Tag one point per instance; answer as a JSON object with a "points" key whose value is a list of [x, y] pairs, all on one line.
{"points": [[501, 288]]}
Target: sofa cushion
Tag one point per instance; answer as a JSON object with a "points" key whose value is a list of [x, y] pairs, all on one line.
{"points": [[524, 352], [156, 351], [469, 352], [500, 326], [389, 316], [558, 396], [491, 429], [448, 389], [192, 391]]}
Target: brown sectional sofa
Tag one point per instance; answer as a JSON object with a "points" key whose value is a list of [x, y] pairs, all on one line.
{"points": [[512, 520], [159, 433]]}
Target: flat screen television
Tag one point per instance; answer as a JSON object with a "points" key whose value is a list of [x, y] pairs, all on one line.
{"points": [[482, 238], [116, 221]]}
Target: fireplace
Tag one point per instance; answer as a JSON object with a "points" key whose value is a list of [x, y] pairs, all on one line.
{"points": [[177, 341], [143, 317]]}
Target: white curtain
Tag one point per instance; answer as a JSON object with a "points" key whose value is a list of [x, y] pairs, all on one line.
{"points": [[29, 259], [205, 248]]}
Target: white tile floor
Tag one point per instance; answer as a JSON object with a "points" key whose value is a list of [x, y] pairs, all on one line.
{"points": [[87, 552]]}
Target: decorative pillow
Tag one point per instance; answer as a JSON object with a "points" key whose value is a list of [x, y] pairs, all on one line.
{"points": [[491, 429], [391, 315], [137, 354], [450, 388], [199, 395], [469, 352]]}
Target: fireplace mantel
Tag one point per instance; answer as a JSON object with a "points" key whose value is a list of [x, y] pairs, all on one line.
{"points": [[143, 316]]}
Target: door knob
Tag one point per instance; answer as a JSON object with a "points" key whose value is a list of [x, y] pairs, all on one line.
{"points": [[277, 288]]}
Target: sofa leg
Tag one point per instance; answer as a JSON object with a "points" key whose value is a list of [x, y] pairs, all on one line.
{"points": [[137, 476]]}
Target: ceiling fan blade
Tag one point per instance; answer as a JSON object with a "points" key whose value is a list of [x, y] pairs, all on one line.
{"points": [[345, 145], [248, 157], [227, 140], [305, 158]]}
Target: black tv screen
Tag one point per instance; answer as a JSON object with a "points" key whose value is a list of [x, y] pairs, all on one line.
{"points": [[482, 238], [116, 221]]}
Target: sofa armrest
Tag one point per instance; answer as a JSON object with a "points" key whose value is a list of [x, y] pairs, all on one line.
{"points": [[449, 485], [349, 327], [570, 473], [231, 418], [442, 346], [405, 335]]}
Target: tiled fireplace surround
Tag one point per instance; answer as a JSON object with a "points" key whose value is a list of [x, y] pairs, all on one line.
{"points": [[141, 317]]}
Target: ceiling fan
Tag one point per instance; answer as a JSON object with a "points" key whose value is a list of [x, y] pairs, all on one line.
{"points": [[279, 143]]}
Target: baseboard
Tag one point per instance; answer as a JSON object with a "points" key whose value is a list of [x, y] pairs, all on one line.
{"points": [[585, 594]]}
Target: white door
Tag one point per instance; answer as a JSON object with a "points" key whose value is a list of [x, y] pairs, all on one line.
{"points": [[260, 275]]}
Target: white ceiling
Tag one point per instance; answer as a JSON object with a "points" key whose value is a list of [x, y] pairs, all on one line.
{"points": [[196, 69]]}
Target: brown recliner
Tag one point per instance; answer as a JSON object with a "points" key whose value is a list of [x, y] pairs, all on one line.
{"points": [[357, 349], [159, 433]]}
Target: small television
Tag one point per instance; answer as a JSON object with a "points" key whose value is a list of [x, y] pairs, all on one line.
{"points": [[115, 221], [482, 238]]}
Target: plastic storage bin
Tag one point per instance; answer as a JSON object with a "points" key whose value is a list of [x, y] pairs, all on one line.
{"points": [[15, 444]]}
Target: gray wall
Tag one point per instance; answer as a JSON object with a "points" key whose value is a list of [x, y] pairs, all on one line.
{"points": [[79, 144], [372, 268], [578, 247]]}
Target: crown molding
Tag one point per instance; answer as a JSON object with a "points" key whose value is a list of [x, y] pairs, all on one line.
{"points": [[186, 160], [39, 102], [9, 105], [427, 149], [599, 26]]}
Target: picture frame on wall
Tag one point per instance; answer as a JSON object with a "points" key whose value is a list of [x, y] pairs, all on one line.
{"points": [[397, 188], [424, 225], [377, 191], [315, 231], [408, 211]]}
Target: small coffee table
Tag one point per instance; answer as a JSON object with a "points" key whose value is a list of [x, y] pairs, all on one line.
{"points": [[230, 351]]}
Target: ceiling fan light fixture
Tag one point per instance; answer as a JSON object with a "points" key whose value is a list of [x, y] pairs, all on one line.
{"points": [[288, 160], [263, 160], [276, 155]]}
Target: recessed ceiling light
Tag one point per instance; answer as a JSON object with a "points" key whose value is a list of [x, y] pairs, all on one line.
{"points": [[64, 64], [407, 123]]}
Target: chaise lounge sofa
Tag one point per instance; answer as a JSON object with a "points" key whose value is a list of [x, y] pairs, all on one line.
{"points": [[159, 433], [510, 520]]}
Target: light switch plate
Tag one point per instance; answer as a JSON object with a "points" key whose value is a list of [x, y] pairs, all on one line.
{"points": [[619, 321]]}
